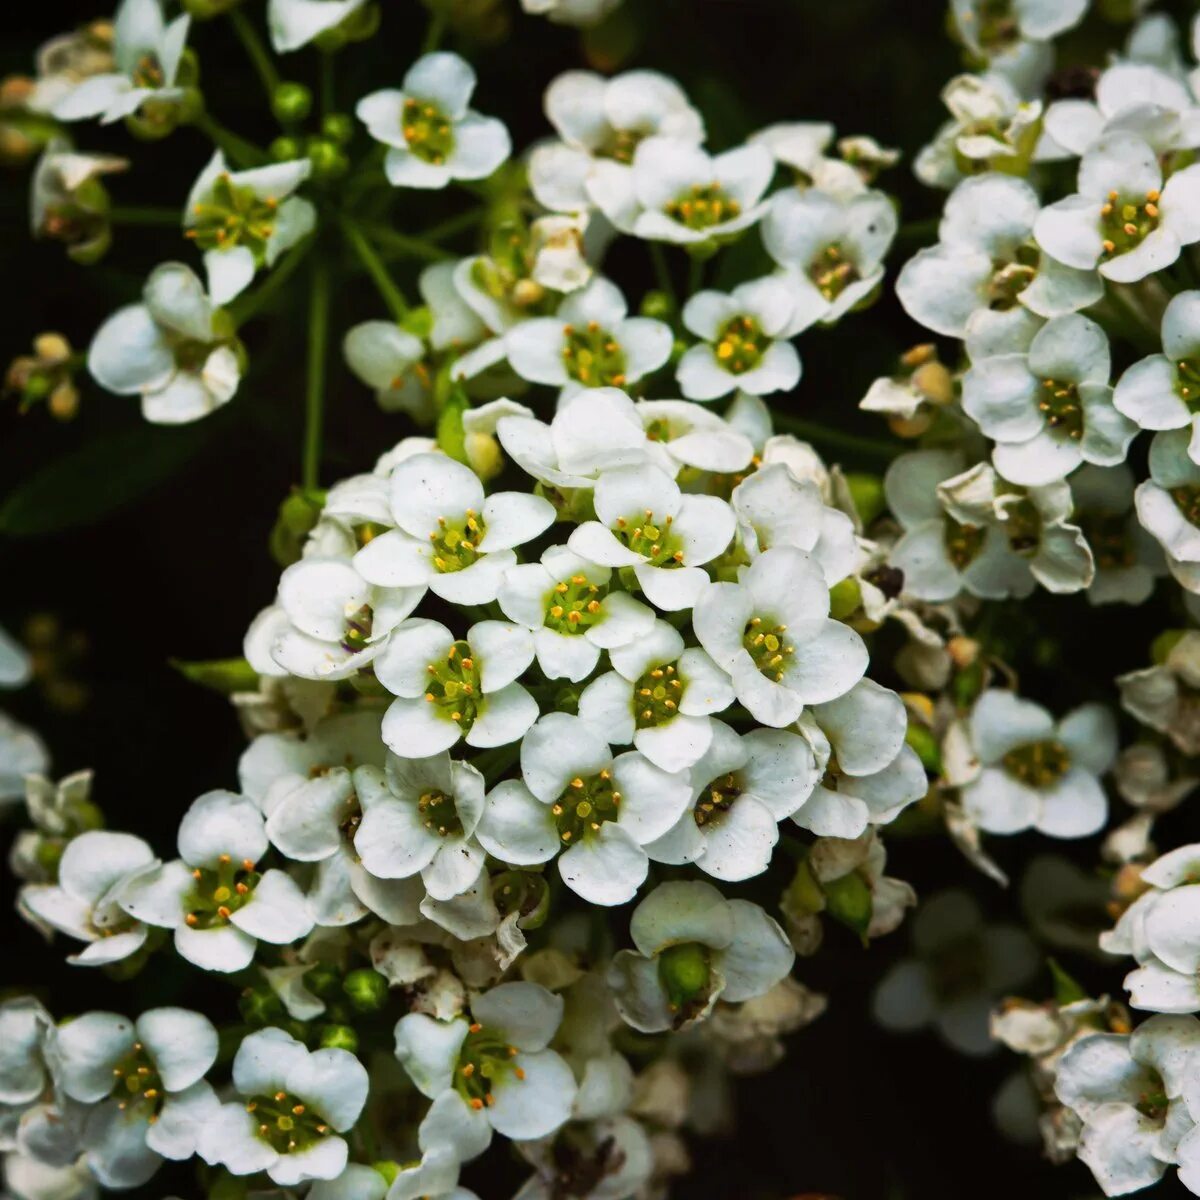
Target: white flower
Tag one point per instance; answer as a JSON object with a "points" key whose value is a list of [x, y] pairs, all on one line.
{"points": [[1129, 1092], [84, 903], [448, 688], [1161, 391], [449, 536], [590, 342], [831, 249], [739, 348], [1128, 560], [1167, 502], [330, 622], [1038, 773], [432, 134], [772, 633], [1161, 696], [68, 202], [493, 1071], [295, 23], [694, 947], [599, 118], [390, 360], [576, 797], [645, 522], [297, 1102], [610, 1157], [961, 968], [419, 815], [582, 13], [244, 220], [985, 260], [994, 31], [1123, 216], [1051, 409], [147, 51], [573, 611], [674, 191], [687, 435], [741, 788], [24, 1025], [22, 753], [213, 896], [174, 349], [146, 1079]]}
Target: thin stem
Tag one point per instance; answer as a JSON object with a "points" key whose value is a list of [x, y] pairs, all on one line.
{"points": [[328, 99], [695, 274], [434, 31], [412, 247], [918, 231], [314, 402], [255, 50], [125, 215], [453, 225], [835, 439], [251, 304], [237, 149], [662, 276], [385, 285]]}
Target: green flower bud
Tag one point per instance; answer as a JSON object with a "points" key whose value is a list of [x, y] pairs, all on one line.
{"points": [[291, 101], [338, 127], [260, 1006], [204, 10], [224, 675], [656, 305], [298, 513], [867, 493], [684, 972], [926, 746], [339, 1037], [328, 159], [844, 599], [804, 892], [418, 321], [849, 901], [1161, 647], [366, 988], [389, 1171], [49, 852], [323, 980], [284, 149]]}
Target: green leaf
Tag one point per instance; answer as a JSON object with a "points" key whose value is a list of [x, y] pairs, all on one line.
{"points": [[225, 675], [98, 479]]}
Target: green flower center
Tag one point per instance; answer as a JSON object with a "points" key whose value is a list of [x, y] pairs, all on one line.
{"points": [[1038, 764], [767, 647], [1108, 536], [136, 1084], [234, 215], [1010, 279], [962, 542], [832, 272], [356, 633], [455, 542], [585, 805], [1154, 1101], [653, 540], [484, 1059], [1125, 224], [286, 1123], [703, 206], [575, 605], [454, 686], [1059, 403], [147, 72], [592, 356], [427, 132], [218, 893], [656, 696], [439, 814], [685, 972], [1023, 527], [740, 343], [716, 799], [1187, 383], [1187, 497], [621, 145]]}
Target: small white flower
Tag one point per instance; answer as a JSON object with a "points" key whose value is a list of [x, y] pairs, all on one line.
{"points": [[599, 118], [244, 220], [1123, 217], [581, 13], [448, 688], [576, 797], [772, 633], [740, 350], [330, 622], [645, 522], [658, 696], [989, 29], [22, 753], [84, 903], [1036, 772], [146, 1079], [147, 51], [831, 249], [741, 788], [213, 896], [610, 1156], [24, 1025], [688, 435], [985, 260], [175, 349], [674, 191], [449, 536], [590, 342], [390, 360], [573, 611], [432, 134], [1161, 696], [1130, 1092], [297, 1102], [1051, 409], [1167, 502], [694, 947], [295, 23], [68, 202], [493, 1071]]}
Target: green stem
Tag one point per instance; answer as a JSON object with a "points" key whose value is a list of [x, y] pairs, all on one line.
{"points": [[835, 439], [662, 277], [255, 50], [328, 99], [454, 225], [434, 31], [918, 231], [374, 266], [237, 149], [314, 403], [251, 304], [123, 215], [695, 275], [412, 247]]}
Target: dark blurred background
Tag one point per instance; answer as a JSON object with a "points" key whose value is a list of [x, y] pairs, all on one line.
{"points": [[179, 569]]}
